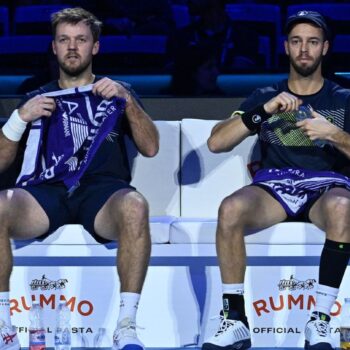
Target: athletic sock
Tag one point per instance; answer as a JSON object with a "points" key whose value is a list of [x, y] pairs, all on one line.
{"points": [[5, 307], [334, 260], [325, 299], [129, 303], [233, 288]]}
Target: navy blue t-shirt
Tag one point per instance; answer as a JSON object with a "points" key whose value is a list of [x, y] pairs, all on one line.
{"points": [[111, 158], [284, 145]]}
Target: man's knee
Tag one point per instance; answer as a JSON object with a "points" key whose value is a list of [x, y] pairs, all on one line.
{"points": [[134, 217], [129, 209], [232, 209], [5, 196], [337, 206], [134, 206], [337, 211]]}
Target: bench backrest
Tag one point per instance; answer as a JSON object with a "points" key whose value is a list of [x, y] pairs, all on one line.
{"points": [[207, 178], [157, 178]]}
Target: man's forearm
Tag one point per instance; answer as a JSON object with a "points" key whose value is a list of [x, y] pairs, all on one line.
{"points": [[8, 151], [341, 140], [144, 132], [227, 134]]}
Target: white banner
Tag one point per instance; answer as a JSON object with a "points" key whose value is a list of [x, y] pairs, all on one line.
{"points": [[177, 303]]}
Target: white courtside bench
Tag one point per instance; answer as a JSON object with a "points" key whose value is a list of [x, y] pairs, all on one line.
{"points": [[184, 185]]}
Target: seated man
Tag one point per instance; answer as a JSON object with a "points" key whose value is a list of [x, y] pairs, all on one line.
{"points": [[75, 167], [303, 127]]}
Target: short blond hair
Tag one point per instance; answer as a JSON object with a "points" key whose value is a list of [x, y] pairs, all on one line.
{"points": [[74, 16]]}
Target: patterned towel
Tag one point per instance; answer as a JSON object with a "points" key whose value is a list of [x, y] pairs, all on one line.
{"points": [[61, 147]]}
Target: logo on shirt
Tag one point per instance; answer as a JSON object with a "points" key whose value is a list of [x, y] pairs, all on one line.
{"points": [[112, 136]]}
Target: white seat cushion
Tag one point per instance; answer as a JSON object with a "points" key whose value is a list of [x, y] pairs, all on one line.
{"points": [[77, 235], [199, 230]]}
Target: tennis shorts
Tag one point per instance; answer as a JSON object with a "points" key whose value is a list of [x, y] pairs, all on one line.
{"points": [[296, 189], [81, 207]]}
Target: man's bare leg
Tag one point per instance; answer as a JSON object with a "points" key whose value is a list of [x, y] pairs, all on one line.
{"points": [[249, 208], [125, 217], [21, 217], [331, 213]]}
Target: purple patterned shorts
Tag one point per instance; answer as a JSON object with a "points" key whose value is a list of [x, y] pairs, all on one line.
{"points": [[295, 188]]}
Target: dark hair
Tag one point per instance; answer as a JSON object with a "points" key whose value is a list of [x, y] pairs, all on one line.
{"points": [[74, 16]]}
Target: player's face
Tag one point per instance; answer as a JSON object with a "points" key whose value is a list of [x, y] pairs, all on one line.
{"points": [[74, 47], [306, 47]]}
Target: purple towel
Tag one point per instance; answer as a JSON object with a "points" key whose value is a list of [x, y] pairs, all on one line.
{"points": [[61, 147]]}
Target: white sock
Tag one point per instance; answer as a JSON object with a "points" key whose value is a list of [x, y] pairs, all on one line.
{"points": [[233, 288], [5, 307], [325, 298], [129, 303]]}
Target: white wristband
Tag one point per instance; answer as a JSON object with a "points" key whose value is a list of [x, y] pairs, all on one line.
{"points": [[14, 127]]}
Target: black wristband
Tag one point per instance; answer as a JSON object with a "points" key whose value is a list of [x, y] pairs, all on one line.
{"points": [[253, 119]]}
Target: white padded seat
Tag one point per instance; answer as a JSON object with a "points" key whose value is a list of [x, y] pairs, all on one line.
{"points": [[207, 178], [202, 231]]}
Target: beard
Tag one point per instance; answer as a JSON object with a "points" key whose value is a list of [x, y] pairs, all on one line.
{"points": [[74, 71], [305, 71]]}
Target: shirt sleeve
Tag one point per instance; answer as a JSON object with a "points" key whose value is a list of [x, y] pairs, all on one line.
{"points": [[252, 101]]}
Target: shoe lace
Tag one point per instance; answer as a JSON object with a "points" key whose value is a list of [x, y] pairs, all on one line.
{"points": [[224, 324], [126, 330], [6, 336], [322, 328]]}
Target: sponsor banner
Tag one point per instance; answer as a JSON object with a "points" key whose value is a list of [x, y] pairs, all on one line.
{"points": [[177, 304], [167, 312], [279, 301]]}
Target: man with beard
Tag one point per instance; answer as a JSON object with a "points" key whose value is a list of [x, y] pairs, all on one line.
{"points": [[97, 193], [303, 125]]}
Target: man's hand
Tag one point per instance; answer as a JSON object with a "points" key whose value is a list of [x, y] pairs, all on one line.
{"points": [[317, 127], [143, 130], [108, 88], [283, 102], [38, 106]]}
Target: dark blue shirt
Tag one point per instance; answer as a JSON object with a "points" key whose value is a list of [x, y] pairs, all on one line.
{"points": [[284, 145]]}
